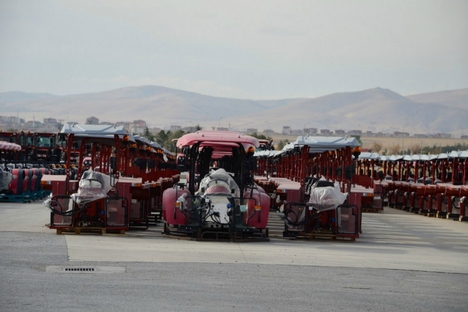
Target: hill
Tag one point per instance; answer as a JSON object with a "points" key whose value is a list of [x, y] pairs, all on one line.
{"points": [[14, 96], [376, 110], [159, 106], [454, 98]]}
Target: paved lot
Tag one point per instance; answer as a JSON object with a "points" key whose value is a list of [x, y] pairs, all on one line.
{"points": [[401, 262]]}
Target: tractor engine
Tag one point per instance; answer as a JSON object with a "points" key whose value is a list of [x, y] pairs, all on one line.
{"points": [[217, 191]]}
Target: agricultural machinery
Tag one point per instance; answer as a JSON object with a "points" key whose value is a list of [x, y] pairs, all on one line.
{"points": [[100, 191], [431, 185], [313, 191], [220, 199]]}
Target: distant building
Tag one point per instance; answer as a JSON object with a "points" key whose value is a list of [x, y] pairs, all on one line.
{"points": [[443, 135], [286, 130], [9, 119], [222, 129], [340, 132], [140, 123], [400, 134], [136, 129], [50, 120], [32, 125], [355, 132], [51, 124], [124, 124], [420, 135], [325, 132], [10, 122], [189, 129], [138, 126], [251, 130], [268, 131], [311, 131]]}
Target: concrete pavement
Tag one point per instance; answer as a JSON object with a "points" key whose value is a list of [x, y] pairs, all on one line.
{"points": [[391, 240]]}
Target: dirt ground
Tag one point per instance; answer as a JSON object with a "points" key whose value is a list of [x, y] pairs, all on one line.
{"points": [[391, 144]]}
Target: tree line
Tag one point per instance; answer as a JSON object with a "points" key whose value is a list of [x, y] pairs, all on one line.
{"points": [[418, 149]]}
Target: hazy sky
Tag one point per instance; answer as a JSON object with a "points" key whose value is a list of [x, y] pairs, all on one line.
{"points": [[241, 49]]}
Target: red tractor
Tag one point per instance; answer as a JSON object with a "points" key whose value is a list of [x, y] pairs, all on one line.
{"points": [[312, 176], [95, 194], [219, 199]]}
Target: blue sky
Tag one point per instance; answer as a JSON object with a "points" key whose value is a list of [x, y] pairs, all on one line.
{"points": [[238, 49]]}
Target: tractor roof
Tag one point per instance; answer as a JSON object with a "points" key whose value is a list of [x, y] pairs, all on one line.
{"points": [[221, 141], [97, 132]]}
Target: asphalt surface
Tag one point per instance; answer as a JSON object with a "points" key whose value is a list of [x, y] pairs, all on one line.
{"points": [[402, 262]]}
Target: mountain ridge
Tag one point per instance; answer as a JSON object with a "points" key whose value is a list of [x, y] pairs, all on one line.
{"points": [[448, 98], [376, 109]]}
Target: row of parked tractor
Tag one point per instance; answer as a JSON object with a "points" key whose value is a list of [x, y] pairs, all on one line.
{"points": [[23, 182], [431, 185], [33, 168], [219, 185]]}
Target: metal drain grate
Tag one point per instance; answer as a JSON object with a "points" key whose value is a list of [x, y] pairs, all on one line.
{"points": [[79, 269], [86, 270]]}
